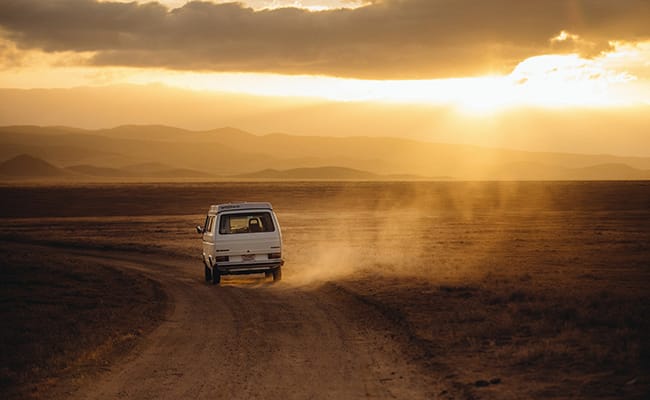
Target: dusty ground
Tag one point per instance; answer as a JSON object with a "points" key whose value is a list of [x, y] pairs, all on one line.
{"points": [[66, 319], [408, 290]]}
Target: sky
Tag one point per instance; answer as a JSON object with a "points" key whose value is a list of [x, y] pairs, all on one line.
{"points": [[481, 59]]}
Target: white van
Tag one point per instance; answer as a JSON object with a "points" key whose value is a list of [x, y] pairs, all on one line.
{"points": [[241, 238]]}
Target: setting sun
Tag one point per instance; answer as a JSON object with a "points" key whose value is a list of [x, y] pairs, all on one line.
{"points": [[552, 80], [377, 68], [548, 81]]}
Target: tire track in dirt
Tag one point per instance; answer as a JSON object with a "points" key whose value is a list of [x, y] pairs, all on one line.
{"points": [[250, 339]]}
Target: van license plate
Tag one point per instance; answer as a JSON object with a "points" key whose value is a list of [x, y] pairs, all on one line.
{"points": [[248, 257]]}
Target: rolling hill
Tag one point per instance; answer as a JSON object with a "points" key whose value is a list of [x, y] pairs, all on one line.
{"points": [[329, 173], [161, 151], [26, 166], [92, 170], [540, 171]]}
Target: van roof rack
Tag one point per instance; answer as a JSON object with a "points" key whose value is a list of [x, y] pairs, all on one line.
{"points": [[243, 205]]}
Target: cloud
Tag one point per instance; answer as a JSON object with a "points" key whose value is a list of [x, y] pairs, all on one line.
{"points": [[10, 56], [396, 39]]}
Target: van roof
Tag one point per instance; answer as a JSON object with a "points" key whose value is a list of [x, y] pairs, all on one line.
{"points": [[218, 208]]}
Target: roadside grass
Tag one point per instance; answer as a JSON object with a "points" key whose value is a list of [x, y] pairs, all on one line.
{"points": [[65, 319], [537, 341], [171, 235]]}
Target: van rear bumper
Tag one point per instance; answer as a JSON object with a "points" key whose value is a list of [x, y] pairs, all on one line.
{"points": [[247, 268]]}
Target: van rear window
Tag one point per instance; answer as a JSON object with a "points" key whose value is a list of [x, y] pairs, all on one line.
{"points": [[246, 223]]}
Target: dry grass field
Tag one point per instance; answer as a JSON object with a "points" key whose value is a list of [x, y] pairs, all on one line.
{"points": [[499, 290], [66, 319]]}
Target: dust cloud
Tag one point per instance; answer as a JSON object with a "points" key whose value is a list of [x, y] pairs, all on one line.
{"points": [[332, 230], [425, 231]]}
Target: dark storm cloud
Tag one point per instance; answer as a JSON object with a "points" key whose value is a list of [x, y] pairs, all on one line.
{"points": [[387, 39]]}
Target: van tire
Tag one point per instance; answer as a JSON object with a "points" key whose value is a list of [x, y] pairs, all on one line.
{"points": [[208, 274], [268, 274], [277, 274], [216, 276]]}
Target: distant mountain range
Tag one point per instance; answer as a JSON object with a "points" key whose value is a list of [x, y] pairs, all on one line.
{"points": [[162, 152], [25, 166], [311, 173]]}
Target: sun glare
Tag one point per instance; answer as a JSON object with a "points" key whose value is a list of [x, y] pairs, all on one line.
{"points": [[546, 81], [617, 78]]}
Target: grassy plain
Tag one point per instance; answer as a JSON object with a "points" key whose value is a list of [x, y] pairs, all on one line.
{"points": [[65, 318], [503, 289]]}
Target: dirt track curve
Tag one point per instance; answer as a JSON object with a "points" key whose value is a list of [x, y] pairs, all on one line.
{"points": [[249, 338]]}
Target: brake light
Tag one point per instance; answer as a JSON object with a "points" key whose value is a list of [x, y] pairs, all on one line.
{"points": [[222, 258], [275, 255]]}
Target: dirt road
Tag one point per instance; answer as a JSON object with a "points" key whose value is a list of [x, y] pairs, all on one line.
{"points": [[249, 338]]}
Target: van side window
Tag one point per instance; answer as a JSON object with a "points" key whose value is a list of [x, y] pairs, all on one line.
{"points": [[246, 223], [209, 224]]}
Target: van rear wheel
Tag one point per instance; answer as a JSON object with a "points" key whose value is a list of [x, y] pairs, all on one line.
{"points": [[277, 274], [216, 276], [208, 273]]}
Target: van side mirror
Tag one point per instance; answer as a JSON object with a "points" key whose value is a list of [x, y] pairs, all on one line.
{"points": [[199, 229]]}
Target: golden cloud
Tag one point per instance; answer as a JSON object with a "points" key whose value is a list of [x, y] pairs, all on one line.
{"points": [[395, 39]]}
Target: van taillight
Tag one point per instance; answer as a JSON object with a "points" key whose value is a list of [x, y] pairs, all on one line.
{"points": [[275, 255], [221, 258]]}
